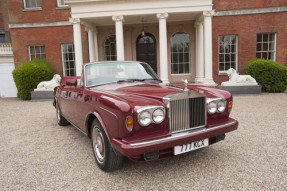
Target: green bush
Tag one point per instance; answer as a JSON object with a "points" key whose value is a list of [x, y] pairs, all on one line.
{"points": [[271, 75], [29, 74]]}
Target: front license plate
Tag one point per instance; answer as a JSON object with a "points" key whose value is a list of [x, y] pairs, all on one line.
{"points": [[190, 146]]}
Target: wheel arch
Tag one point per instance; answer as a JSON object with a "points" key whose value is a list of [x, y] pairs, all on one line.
{"points": [[90, 118]]}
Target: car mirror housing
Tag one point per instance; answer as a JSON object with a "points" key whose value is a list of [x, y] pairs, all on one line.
{"points": [[69, 81]]}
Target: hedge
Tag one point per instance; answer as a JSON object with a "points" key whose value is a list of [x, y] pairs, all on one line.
{"points": [[29, 74], [272, 76]]}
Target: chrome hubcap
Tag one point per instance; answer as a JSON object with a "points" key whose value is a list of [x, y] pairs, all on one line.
{"points": [[98, 145]]}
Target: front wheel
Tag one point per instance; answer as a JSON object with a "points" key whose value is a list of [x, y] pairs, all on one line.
{"points": [[106, 158]]}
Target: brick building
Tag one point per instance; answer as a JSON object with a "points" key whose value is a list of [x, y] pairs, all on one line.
{"points": [[196, 40], [258, 26], [7, 86]]}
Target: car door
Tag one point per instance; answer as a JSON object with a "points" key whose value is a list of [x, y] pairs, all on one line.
{"points": [[81, 107], [66, 102]]}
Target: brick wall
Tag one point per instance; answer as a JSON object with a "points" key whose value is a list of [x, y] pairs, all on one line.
{"points": [[50, 37], [49, 13], [223, 5], [1, 20], [2, 6], [4, 20], [247, 27]]}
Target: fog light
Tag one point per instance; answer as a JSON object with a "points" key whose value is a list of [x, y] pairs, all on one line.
{"points": [[151, 156]]}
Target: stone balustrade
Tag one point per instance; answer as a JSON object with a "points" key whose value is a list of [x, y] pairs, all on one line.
{"points": [[6, 49]]}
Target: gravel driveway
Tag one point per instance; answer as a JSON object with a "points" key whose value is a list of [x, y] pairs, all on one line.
{"points": [[37, 154]]}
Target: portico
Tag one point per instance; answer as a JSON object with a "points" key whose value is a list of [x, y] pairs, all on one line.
{"points": [[174, 36]]}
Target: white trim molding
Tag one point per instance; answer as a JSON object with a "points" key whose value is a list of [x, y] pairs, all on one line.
{"points": [[105, 8], [251, 11], [42, 24], [74, 20], [208, 13]]}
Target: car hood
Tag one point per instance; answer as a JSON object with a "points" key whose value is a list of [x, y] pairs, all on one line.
{"points": [[156, 91], [148, 90]]}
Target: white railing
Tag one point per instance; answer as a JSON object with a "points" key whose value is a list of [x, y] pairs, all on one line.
{"points": [[6, 49]]}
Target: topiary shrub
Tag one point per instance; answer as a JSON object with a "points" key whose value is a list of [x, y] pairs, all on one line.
{"points": [[29, 74], [271, 75]]}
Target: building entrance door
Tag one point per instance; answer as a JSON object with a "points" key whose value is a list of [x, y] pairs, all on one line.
{"points": [[146, 50]]}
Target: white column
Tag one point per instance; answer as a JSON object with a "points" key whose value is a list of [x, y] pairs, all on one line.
{"points": [[208, 47], [96, 45], [163, 47], [119, 37], [77, 45], [91, 44], [199, 78]]}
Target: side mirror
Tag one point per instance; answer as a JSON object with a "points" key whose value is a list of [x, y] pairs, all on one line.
{"points": [[69, 81]]}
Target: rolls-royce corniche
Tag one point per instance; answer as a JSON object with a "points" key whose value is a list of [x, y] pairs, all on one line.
{"points": [[128, 112]]}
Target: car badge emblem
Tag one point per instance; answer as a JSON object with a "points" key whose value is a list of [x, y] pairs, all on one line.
{"points": [[185, 85]]}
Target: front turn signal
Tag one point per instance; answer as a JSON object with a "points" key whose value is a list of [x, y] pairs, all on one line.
{"points": [[230, 104], [129, 123]]}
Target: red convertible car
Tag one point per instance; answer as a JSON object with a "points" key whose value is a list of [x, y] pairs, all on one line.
{"points": [[127, 111]]}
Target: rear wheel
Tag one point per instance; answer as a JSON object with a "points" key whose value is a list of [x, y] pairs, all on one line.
{"points": [[106, 158], [60, 119]]}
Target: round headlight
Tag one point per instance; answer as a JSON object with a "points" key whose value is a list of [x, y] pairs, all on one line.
{"points": [[212, 107], [145, 118], [221, 106], [158, 116]]}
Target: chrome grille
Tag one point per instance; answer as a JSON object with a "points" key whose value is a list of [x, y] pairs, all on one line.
{"points": [[187, 114]]}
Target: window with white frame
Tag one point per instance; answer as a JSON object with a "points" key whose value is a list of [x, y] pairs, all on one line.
{"points": [[61, 3], [32, 4], [37, 52], [227, 52], [266, 46], [68, 59], [110, 48], [180, 53]]}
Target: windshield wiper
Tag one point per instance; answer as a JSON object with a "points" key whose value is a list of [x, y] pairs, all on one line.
{"points": [[152, 79], [139, 80], [131, 80]]}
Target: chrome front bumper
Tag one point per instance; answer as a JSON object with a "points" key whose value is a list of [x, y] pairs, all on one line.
{"points": [[141, 147]]}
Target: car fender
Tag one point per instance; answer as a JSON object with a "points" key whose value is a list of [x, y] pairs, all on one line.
{"points": [[96, 116], [89, 120]]}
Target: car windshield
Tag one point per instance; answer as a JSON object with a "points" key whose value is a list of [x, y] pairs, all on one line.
{"points": [[109, 72]]}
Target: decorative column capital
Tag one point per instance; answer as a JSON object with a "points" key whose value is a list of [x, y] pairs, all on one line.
{"points": [[75, 20], [208, 13], [119, 18], [91, 29], [197, 24], [162, 15], [87, 29]]}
